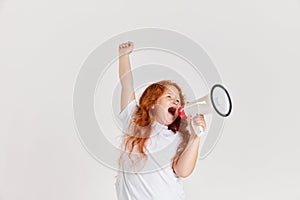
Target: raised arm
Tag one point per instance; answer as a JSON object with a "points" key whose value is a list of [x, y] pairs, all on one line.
{"points": [[125, 74]]}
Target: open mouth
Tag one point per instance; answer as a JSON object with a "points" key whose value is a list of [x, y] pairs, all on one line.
{"points": [[172, 110]]}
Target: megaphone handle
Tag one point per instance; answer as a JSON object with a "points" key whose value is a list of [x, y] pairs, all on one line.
{"points": [[198, 130]]}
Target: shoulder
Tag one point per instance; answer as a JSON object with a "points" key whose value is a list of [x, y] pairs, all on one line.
{"points": [[126, 115], [129, 107], [128, 110]]}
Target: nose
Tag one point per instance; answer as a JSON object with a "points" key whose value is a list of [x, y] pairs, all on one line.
{"points": [[175, 101]]}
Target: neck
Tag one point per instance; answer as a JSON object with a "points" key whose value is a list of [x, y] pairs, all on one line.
{"points": [[160, 123]]}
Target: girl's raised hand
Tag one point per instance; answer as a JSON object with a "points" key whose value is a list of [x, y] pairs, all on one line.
{"points": [[126, 48]]}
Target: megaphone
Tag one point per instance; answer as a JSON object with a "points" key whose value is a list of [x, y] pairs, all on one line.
{"points": [[218, 100]]}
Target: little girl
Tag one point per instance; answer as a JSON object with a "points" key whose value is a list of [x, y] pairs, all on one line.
{"points": [[159, 148]]}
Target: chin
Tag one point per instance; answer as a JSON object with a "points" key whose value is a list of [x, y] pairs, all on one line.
{"points": [[170, 122]]}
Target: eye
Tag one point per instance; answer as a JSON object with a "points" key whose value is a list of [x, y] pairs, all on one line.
{"points": [[169, 96], [177, 101]]}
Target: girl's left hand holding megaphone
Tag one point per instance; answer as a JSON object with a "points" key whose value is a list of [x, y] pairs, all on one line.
{"points": [[197, 124]]}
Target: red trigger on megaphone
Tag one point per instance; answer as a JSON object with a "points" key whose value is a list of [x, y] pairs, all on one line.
{"points": [[181, 112]]}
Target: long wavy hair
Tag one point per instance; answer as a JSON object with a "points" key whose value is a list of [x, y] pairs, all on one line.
{"points": [[140, 127]]}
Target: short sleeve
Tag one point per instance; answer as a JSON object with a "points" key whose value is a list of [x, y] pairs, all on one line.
{"points": [[127, 113]]}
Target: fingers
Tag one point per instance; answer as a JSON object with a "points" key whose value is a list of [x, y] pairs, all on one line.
{"points": [[126, 44], [199, 121], [125, 48], [199, 117], [123, 45]]}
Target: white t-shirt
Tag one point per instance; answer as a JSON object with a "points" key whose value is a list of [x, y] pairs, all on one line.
{"points": [[152, 178]]}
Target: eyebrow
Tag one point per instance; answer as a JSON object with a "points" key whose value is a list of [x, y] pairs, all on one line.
{"points": [[171, 93]]}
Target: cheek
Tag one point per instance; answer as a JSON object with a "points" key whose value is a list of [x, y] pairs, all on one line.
{"points": [[161, 102]]}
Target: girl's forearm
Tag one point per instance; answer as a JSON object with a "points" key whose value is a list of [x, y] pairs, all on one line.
{"points": [[187, 161], [125, 74], [126, 79]]}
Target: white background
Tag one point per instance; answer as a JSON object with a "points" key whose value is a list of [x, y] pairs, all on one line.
{"points": [[255, 46]]}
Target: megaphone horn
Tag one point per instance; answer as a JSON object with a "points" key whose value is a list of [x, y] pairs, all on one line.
{"points": [[217, 100]]}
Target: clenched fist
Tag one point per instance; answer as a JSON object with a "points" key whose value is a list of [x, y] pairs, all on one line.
{"points": [[126, 48]]}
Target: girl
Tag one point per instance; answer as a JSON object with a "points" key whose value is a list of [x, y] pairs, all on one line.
{"points": [[158, 147]]}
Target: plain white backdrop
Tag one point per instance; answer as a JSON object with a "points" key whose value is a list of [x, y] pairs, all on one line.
{"points": [[255, 46]]}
